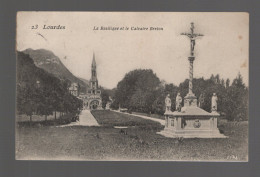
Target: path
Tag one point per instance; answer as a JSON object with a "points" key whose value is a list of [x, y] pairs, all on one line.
{"points": [[162, 122], [85, 119]]}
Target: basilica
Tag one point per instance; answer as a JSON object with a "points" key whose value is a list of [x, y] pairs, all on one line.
{"points": [[92, 99]]}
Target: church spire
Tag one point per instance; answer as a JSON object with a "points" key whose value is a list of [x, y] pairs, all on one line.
{"points": [[94, 69], [93, 61]]}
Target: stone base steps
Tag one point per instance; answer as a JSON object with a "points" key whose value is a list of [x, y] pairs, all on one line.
{"points": [[172, 134]]}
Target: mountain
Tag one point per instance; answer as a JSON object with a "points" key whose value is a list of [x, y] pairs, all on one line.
{"points": [[48, 61], [84, 80]]}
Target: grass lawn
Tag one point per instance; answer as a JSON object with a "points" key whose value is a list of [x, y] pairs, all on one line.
{"points": [[139, 142], [111, 118]]}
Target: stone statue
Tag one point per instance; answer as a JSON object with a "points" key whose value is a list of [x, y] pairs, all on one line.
{"points": [[201, 100], [168, 103], [178, 102], [214, 100]]}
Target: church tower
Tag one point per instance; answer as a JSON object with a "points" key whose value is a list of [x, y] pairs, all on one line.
{"points": [[93, 80], [93, 100]]}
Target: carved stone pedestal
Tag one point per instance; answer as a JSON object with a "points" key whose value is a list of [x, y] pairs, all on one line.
{"points": [[191, 122], [190, 100]]}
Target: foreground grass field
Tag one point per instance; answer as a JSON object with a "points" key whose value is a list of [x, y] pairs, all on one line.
{"points": [[138, 142]]}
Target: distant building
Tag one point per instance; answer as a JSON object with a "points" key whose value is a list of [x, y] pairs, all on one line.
{"points": [[92, 100], [74, 89]]}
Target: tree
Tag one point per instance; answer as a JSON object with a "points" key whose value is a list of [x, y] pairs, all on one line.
{"points": [[137, 88], [26, 100], [41, 93], [104, 97], [227, 83], [236, 103], [158, 105]]}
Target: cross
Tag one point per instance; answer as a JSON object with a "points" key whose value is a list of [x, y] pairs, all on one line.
{"points": [[192, 37]]}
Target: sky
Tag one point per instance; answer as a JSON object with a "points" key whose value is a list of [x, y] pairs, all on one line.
{"points": [[222, 50]]}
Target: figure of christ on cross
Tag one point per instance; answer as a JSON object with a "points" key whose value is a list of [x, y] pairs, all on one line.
{"points": [[192, 37]]}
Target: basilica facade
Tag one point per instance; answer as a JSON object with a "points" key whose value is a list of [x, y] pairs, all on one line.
{"points": [[92, 100]]}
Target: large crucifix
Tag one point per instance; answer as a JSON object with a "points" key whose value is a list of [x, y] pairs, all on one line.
{"points": [[192, 37]]}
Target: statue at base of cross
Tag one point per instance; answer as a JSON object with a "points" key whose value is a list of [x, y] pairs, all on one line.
{"points": [[168, 103], [178, 102], [214, 105]]}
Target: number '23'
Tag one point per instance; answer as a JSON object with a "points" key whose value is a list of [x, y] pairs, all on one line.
{"points": [[35, 27]]}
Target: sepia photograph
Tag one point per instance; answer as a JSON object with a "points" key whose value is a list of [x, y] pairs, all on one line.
{"points": [[132, 86]]}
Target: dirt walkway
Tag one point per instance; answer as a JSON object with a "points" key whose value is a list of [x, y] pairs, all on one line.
{"points": [[87, 119], [162, 122]]}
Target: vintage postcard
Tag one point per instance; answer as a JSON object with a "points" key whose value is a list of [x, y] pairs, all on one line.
{"points": [[132, 86]]}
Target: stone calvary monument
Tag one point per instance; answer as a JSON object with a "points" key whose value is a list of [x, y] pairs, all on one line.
{"points": [[191, 121]]}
